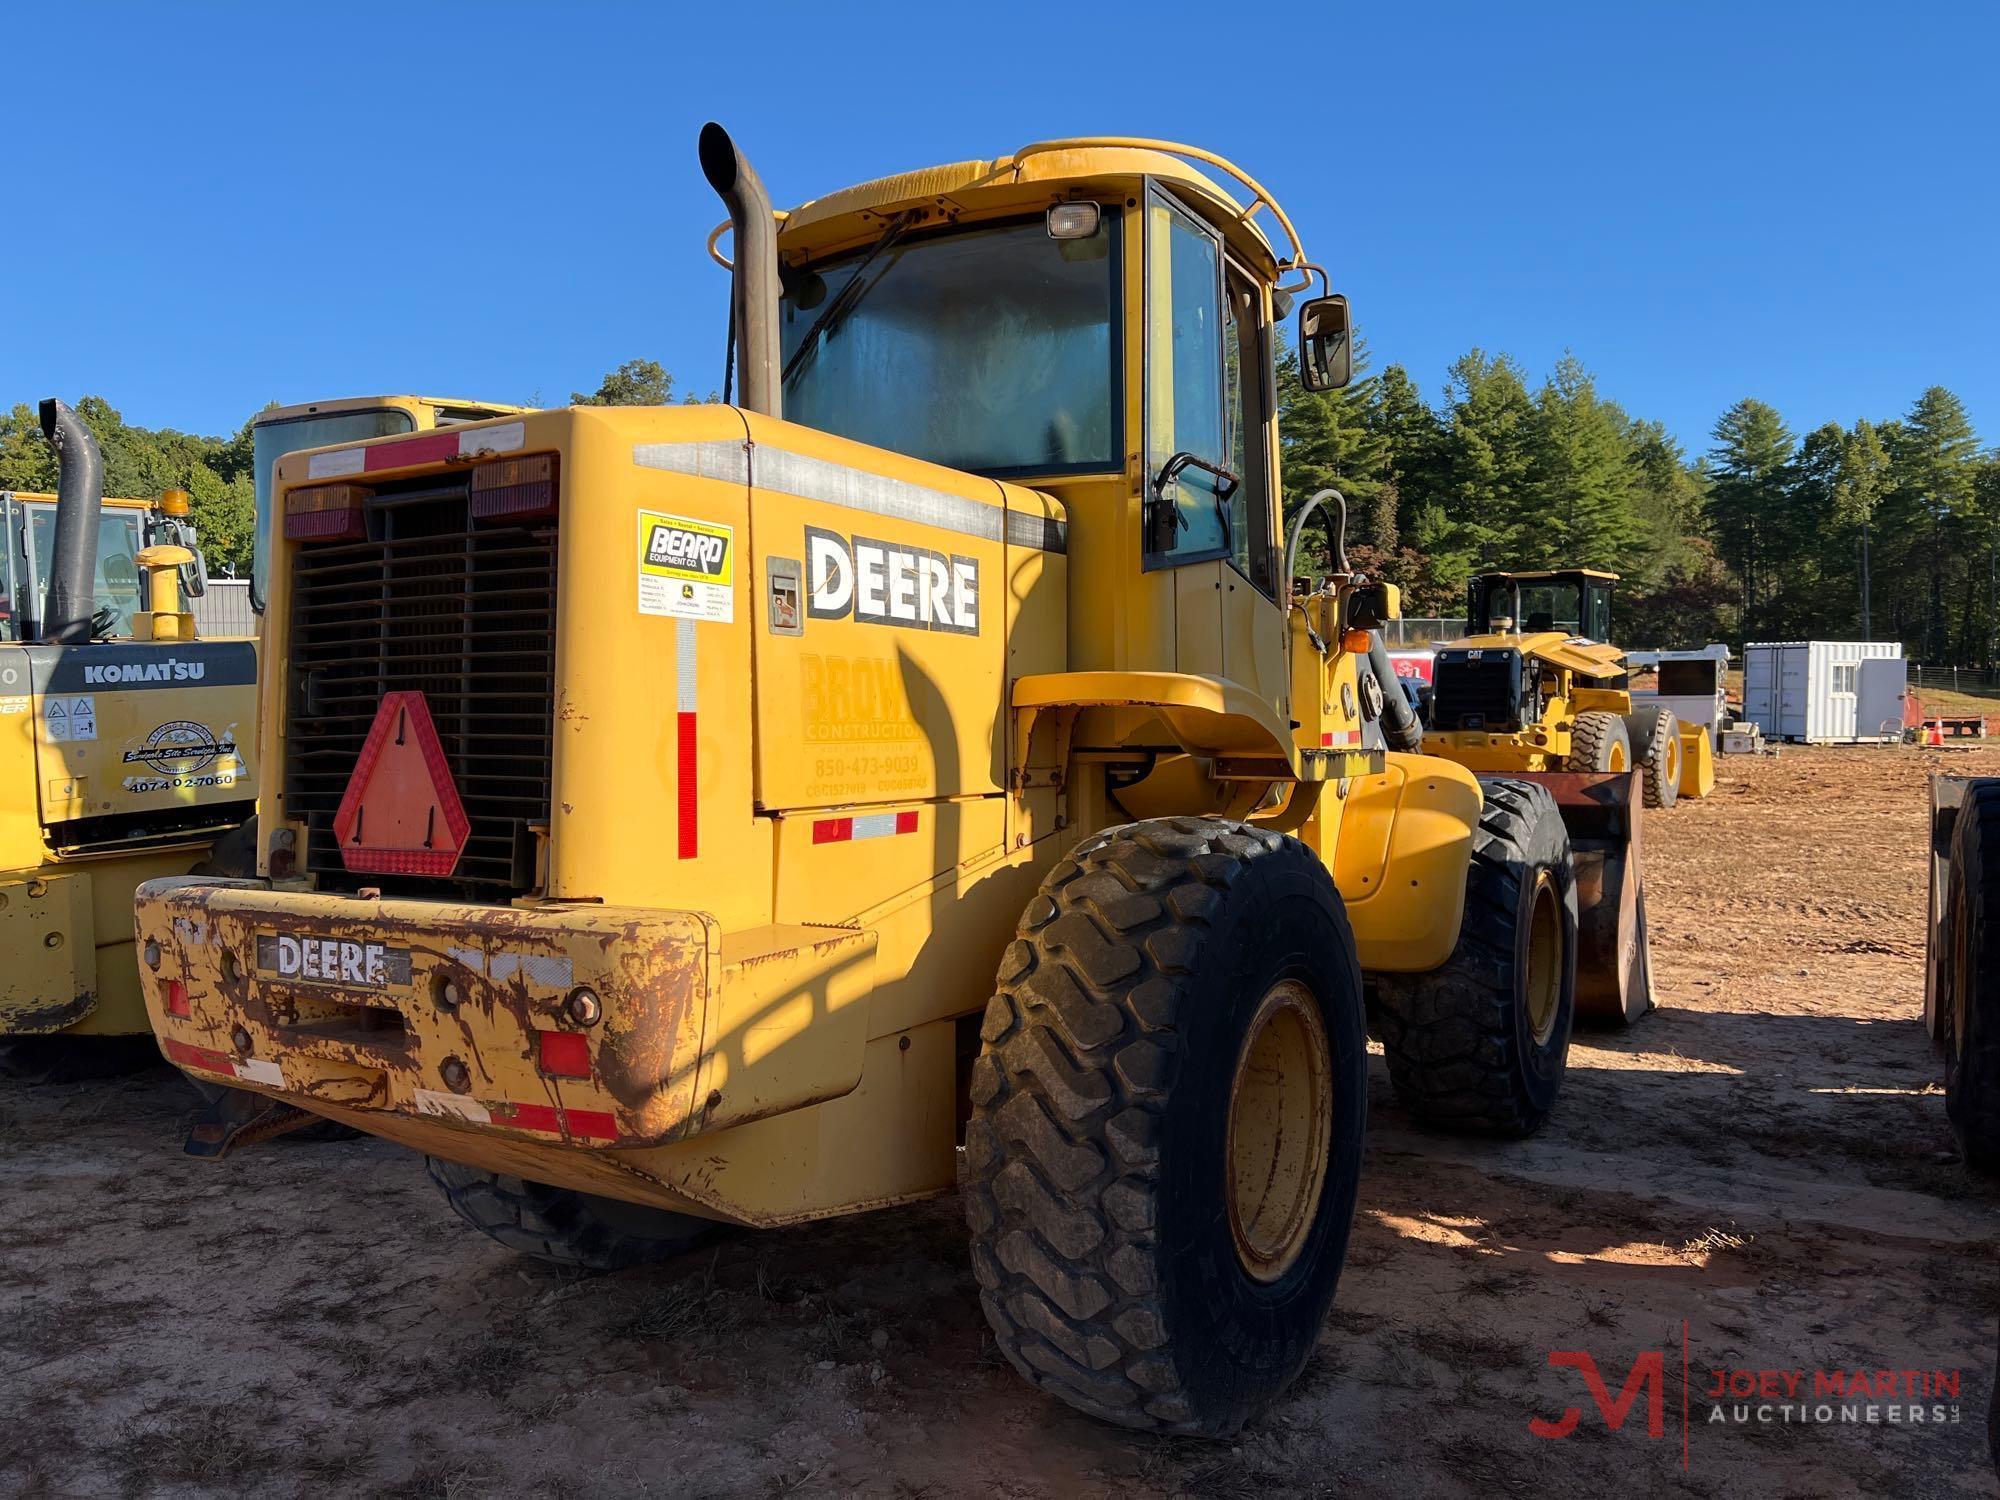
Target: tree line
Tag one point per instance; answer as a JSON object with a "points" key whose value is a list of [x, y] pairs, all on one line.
{"points": [[1888, 529]]}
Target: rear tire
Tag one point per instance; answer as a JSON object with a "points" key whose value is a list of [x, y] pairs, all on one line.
{"points": [[1971, 1023], [1660, 759], [1599, 742], [564, 1227], [1182, 995], [1481, 1043]]}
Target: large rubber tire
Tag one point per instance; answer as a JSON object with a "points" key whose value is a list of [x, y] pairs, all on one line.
{"points": [[1658, 747], [1599, 742], [1464, 1047], [565, 1227], [1971, 982], [1099, 1175]]}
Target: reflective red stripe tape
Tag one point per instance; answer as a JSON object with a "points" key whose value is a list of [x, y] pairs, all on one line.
{"points": [[867, 826], [535, 1117], [199, 1057], [424, 450], [686, 758], [597, 1124]]}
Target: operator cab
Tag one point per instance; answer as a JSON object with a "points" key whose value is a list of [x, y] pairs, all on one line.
{"points": [[1097, 320], [1573, 601]]}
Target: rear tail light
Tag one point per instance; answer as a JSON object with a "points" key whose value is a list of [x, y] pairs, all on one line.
{"points": [[565, 1053], [515, 489], [326, 513], [177, 999]]}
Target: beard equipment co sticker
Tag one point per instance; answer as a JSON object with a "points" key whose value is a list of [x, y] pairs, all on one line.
{"points": [[687, 569]]}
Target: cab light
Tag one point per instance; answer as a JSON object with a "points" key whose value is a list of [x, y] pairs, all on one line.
{"points": [[565, 1053], [515, 489], [326, 513], [177, 999], [174, 502], [1073, 221]]}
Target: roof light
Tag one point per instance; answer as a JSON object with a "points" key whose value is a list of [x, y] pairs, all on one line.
{"points": [[174, 502], [1073, 221]]}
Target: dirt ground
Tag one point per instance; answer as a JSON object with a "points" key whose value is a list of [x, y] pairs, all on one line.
{"points": [[1765, 1160]]}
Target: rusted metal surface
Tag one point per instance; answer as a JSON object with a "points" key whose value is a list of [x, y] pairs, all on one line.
{"points": [[342, 1001], [1614, 964]]}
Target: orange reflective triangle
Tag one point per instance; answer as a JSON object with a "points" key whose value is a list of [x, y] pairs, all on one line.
{"points": [[400, 814]]}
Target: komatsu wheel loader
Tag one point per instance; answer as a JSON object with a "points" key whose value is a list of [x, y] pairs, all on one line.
{"points": [[922, 771], [125, 745]]}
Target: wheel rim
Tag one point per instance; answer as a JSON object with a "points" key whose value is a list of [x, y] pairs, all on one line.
{"points": [[1280, 1130], [1672, 762], [1544, 977], [1615, 757]]}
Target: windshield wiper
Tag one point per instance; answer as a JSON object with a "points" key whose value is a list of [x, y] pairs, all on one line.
{"points": [[845, 300]]}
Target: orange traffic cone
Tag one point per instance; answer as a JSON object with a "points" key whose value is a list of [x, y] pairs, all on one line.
{"points": [[1934, 733]]}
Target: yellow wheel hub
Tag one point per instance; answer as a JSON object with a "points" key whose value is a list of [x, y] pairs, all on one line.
{"points": [[1280, 1130], [1545, 953], [1671, 762], [1616, 758]]}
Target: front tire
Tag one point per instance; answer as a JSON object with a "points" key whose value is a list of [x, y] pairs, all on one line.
{"points": [[1971, 1024], [1481, 1043], [1167, 1121], [1599, 742], [563, 1227], [1659, 750]]}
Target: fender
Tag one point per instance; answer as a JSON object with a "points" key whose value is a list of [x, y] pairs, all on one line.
{"points": [[1400, 860]]}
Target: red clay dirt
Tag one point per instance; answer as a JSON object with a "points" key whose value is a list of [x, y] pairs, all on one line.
{"points": [[1765, 1160]]}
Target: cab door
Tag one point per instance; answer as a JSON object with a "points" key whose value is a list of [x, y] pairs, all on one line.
{"points": [[1187, 439]]}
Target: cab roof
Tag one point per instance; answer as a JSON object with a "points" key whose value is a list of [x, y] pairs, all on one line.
{"points": [[39, 497], [1035, 176], [1544, 573], [377, 403]]}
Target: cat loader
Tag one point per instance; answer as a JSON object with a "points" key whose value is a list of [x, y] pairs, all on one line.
{"points": [[921, 770]]}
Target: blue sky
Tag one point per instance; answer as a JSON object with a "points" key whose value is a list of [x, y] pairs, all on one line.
{"points": [[1796, 202]]}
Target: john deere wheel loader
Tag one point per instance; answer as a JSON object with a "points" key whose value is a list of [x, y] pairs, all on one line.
{"points": [[659, 792]]}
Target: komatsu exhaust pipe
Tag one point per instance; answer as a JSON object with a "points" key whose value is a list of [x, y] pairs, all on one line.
{"points": [[754, 288], [71, 603]]}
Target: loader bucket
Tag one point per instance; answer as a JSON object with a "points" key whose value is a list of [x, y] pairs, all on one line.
{"points": [[1697, 760], [1614, 966]]}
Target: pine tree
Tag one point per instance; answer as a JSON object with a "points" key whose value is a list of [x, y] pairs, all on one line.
{"points": [[1749, 476]]}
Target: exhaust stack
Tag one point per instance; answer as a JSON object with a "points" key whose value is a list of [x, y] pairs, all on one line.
{"points": [[754, 288], [72, 593]]}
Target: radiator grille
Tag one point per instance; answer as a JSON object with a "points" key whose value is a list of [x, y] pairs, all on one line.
{"points": [[1482, 692], [464, 614]]}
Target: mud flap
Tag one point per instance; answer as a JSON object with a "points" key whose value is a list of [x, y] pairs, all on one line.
{"points": [[1614, 961], [237, 1117]]}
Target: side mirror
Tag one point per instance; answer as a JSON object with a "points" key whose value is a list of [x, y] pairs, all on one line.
{"points": [[1373, 605], [1326, 352]]}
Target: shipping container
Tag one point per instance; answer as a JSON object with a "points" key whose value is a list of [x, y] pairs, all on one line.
{"points": [[1825, 692]]}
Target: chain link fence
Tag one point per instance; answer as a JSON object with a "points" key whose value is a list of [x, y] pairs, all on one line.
{"points": [[1974, 682]]}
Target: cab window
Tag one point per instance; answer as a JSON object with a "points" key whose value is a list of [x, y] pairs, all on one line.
{"points": [[117, 584], [1185, 379], [1248, 386]]}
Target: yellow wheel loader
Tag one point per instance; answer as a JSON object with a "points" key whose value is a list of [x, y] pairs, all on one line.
{"points": [[1534, 687], [125, 749], [725, 814]]}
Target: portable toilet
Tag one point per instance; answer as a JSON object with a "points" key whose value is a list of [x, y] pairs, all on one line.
{"points": [[1825, 692]]}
